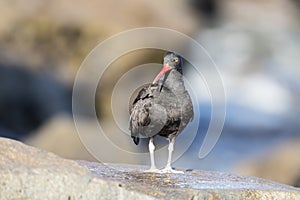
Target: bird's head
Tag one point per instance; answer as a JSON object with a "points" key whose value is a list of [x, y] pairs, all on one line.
{"points": [[171, 61]]}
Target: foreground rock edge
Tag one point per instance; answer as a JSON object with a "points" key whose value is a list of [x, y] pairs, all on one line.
{"points": [[30, 173]]}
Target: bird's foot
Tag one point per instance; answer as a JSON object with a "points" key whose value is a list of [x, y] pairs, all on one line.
{"points": [[169, 170], [152, 170]]}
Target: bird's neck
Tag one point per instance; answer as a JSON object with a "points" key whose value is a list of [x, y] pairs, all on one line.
{"points": [[173, 81]]}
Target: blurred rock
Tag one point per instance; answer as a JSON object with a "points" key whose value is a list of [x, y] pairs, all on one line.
{"points": [[27, 99], [280, 163], [297, 183], [30, 173], [61, 33], [56, 36], [85, 141], [208, 9], [59, 135]]}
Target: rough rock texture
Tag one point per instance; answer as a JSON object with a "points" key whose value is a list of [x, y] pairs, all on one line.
{"points": [[30, 173]]}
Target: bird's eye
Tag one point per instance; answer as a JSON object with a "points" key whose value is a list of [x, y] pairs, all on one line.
{"points": [[176, 59]]}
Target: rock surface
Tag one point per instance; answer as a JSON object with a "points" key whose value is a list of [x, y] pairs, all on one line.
{"points": [[30, 173]]}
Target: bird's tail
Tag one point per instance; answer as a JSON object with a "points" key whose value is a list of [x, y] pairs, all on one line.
{"points": [[135, 139]]}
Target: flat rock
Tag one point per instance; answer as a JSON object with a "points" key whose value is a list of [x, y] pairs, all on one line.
{"points": [[193, 184], [30, 173]]}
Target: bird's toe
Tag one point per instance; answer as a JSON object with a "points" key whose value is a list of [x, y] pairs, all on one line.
{"points": [[152, 170]]}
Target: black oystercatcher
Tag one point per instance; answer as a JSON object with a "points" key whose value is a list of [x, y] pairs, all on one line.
{"points": [[163, 108]]}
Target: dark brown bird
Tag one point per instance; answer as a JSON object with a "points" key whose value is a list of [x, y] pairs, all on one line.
{"points": [[163, 108]]}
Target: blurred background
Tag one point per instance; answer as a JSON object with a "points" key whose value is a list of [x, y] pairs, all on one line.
{"points": [[255, 44]]}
